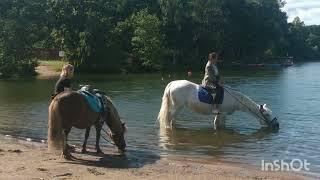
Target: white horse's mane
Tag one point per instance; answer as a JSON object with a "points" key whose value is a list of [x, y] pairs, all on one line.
{"points": [[244, 100]]}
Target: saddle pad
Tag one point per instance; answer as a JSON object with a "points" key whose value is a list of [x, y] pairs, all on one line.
{"points": [[93, 101], [204, 96]]}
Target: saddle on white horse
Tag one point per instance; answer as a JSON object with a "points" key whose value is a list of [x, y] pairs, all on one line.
{"points": [[206, 95]]}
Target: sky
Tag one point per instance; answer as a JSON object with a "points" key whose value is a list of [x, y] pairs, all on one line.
{"points": [[307, 10]]}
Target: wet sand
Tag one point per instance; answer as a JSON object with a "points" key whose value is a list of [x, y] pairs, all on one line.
{"points": [[31, 160]]}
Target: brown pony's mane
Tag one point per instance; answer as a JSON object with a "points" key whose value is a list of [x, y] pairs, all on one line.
{"points": [[112, 107]]}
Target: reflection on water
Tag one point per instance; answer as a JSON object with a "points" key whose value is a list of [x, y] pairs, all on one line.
{"points": [[292, 94], [182, 138]]}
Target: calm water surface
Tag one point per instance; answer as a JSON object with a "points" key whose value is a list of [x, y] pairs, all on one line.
{"points": [[291, 93]]}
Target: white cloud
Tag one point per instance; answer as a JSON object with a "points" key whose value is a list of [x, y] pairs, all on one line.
{"points": [[307, 10]]}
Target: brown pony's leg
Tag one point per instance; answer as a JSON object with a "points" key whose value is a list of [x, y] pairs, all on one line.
{"points": [[66, 154], [98, 133], [84, 146], [67, 131]]}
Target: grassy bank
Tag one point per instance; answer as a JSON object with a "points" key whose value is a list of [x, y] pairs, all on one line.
{"points": [[54, 65], [49, 68]]}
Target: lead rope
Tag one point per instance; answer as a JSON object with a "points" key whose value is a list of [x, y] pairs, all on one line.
{"points": [[109, 141], [247, 107], [104, 104]]}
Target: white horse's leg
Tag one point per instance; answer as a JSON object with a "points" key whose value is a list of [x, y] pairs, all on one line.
{"points": [[214, 122], [219, 121], [168, 121], [175, 108], [173, 115]]}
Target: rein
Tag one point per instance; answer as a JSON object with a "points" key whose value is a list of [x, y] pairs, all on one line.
{"points": [[105, 105], [263, 116], [109, 141]]}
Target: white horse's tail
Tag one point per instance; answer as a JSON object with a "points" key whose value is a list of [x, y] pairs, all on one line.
{"points": [[164, 114]]}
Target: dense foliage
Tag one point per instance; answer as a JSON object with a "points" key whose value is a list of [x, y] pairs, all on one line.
{"points": [[149, 35], [21, 27]]}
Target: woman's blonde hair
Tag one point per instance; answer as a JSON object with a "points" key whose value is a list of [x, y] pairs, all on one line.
{"points": [[67, 71]]}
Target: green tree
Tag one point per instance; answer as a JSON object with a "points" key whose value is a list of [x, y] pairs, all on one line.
{"points": [[297, 37], [143, 41], [147, 41], [82, 29], [20, 24], [254, 27], [176, 16], [106, 35]]}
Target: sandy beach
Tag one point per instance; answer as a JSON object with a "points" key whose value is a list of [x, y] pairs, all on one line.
{"points": [[21, 159]]}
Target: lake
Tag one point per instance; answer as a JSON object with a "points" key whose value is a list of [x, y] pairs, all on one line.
{"points": [[291, 93]]}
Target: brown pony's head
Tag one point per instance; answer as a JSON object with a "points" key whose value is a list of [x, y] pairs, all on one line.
{"points": [[119, 139], [117, 127]]}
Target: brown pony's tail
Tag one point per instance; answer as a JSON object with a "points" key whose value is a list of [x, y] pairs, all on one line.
{"points": [[56, 137], [164, 114]]}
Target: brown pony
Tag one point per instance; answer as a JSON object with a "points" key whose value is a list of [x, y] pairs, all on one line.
{"points": [[70, 109]]}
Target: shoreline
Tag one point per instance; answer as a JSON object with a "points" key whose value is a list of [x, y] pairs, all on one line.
{"points": [[31, 160]]}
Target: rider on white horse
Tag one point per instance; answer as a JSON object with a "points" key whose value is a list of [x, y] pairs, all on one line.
{"points": [[212, 81], [183, 93]]}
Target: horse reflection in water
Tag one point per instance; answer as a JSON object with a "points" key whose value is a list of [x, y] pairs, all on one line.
{"points": [[183, 93], [71, 109], [182, 138]]}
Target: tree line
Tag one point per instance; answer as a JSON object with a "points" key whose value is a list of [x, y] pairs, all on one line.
{"points": [[149, 35]]}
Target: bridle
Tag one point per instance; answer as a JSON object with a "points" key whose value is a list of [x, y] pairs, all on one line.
{"points": [[264, 118], [268, 122]]}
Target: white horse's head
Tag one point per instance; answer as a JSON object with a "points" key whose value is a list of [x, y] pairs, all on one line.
{"points": [[267, 116]]}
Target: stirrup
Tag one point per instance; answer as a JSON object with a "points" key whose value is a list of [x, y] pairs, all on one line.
{"points": [[216, 112]]}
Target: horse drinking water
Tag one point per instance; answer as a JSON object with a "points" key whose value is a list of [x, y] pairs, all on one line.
{"points": [[70, 109], [183, 93]]}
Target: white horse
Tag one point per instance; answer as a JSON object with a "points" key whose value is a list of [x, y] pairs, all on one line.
{"points": [[183, 93]]}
